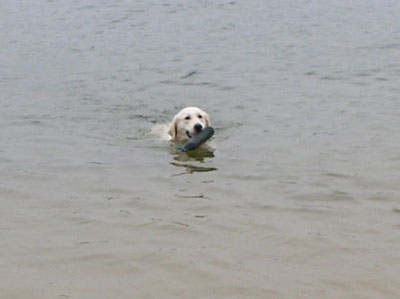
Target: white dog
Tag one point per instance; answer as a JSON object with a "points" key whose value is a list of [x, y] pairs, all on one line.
{"points": [[187, 123]]}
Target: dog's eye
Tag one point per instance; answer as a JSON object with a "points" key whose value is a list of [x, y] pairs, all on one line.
{"points": [[200, 116], [187, 117]]}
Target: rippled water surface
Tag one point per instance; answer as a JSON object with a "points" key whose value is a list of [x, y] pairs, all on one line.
{"points": [[300, 198]]}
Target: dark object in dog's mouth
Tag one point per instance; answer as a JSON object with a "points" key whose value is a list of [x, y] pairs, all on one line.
{"points": [[198, 139], [197, 129]]}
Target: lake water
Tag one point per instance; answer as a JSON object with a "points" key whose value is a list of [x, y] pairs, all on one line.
{"points": [[300, 198]]}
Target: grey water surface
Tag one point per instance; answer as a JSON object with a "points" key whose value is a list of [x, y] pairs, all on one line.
{"points": [[299, 199]]}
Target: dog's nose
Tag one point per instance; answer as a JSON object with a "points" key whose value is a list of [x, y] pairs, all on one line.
{"points": [[198, 128]]}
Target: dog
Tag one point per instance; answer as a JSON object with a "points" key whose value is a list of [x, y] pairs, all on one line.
{"points": [[187, 123]]}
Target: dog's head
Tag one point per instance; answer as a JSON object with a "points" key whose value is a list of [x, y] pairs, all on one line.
{"points": [[188, 122]]}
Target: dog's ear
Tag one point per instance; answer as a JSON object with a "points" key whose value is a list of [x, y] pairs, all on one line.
{"points": [[207, 119], [173, 129]]}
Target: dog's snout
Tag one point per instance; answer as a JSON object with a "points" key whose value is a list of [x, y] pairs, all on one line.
{"points": [[198, 128]]}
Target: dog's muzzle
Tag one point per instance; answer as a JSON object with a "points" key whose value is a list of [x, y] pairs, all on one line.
{"points": [[198, 128]]}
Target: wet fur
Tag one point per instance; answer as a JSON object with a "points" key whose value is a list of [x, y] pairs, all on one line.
{"points": [[187, 122]]}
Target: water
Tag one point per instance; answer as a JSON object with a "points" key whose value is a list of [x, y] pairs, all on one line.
{"points": [[299, 199]]}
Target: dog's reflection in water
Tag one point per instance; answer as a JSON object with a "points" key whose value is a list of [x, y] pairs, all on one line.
{"points": [[183, 159]]}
